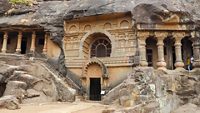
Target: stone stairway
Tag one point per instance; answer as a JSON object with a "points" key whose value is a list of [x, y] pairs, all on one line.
{"points": [[57, 74], [43, 60]]}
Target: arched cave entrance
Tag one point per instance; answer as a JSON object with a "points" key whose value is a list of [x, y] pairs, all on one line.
{"points": [[95, 79], [151, 52], [94, 73]]}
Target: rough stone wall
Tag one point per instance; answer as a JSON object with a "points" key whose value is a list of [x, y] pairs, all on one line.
{"points": [[161, 91]]}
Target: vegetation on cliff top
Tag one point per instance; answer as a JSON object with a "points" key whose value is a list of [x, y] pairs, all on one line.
{"points": [[26, 2]]}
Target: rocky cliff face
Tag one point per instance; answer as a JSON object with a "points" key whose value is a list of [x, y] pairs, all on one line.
{"points": [[150, 91], [49, 15]]}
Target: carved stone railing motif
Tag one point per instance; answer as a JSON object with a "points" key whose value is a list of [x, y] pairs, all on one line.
{"points": [[108, 61]]}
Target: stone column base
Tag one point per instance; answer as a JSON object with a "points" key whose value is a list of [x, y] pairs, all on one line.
{"points": [[143, 63], [161, 64], [3, 51], [179, 64], [18, 51]]}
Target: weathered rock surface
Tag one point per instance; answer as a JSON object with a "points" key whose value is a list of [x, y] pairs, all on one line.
{"points": [[136, 89], [65, 93], [9, 102], [187, 108], [150, 91], [188, 88], [30, 82], [27, 78], [16, 88], [34, 96]]}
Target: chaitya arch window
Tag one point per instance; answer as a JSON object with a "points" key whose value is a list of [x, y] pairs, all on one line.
{"points": [[101, 48]]}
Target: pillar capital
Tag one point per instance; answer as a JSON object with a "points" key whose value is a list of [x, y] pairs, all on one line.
{"points": [[143, 35], [161, 35], [33, 34], [20, 32], [196, 41], [178, 36], [5, 36]]}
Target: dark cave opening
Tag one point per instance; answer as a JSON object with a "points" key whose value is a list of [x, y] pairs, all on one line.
{"points": [[2, 88]]}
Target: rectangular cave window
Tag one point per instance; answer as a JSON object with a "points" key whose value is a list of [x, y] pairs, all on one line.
{"points": [[150, 57], [165, 50], [41, 41], [2, 88], [8, 42]]}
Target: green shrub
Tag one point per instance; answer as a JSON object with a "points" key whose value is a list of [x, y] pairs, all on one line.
{"points": [[27, 2]]}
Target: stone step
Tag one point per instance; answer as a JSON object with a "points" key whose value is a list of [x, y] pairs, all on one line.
{"points": [[79, 98]]}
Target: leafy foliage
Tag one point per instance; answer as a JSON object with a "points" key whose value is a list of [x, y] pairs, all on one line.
{"points": [[27, 2]]}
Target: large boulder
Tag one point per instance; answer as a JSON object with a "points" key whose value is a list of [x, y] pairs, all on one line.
{"points": [[16, 88], [34, 96], [65, 93], [28, 79], [9, 102]]}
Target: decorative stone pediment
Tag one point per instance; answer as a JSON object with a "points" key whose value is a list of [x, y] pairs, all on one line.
{"points": [[172, 19], [99, 64]]}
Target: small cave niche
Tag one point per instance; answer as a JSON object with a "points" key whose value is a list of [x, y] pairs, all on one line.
{"points": [[2, 88]]}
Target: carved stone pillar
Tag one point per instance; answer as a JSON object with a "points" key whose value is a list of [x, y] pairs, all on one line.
{"points": [[45, 43], [142, 48], [33, 37], [19, 42], [196, 51], [160, 45], [5, 39], [179, 61]]}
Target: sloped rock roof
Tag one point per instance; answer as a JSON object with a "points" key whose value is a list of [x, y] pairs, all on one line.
{"points": [[47, 15], [96, 7], [50, 14]]}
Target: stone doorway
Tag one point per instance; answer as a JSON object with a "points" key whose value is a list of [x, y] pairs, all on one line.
{"points": [[24, 45], [2, 88], [95, 89]]}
